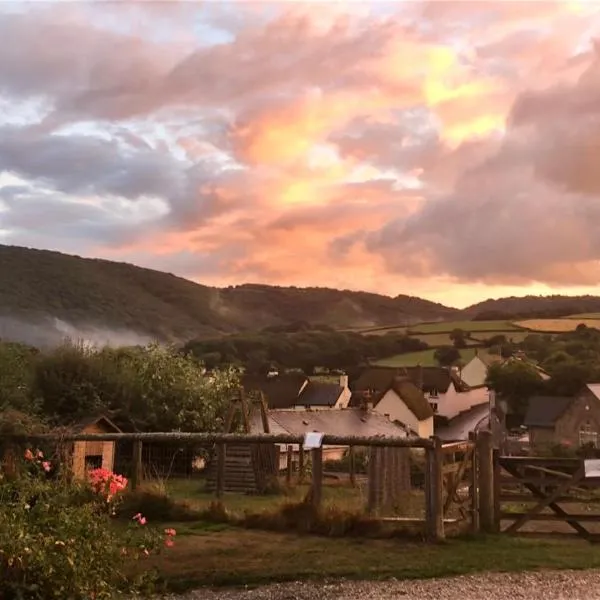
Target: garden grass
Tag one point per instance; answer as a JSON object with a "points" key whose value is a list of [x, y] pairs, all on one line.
{"points": [[235, 557]]}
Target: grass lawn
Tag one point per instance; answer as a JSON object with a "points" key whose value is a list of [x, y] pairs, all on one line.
{"points": [[425, 358], [473, 326], [217, 555], [516, 336], [339, 495]]}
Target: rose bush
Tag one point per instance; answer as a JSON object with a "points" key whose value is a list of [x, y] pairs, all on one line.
{"points": [[59, 540]]}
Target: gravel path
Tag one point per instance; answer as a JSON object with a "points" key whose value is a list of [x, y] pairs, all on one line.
{"points": [[549, 585]]}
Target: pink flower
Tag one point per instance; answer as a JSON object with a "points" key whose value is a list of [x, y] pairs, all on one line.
{"points": [[170, 532], [46, 466], [28, 454], [136, 517], [142, 521], [40, 454], [169, 543], [146, 552]]}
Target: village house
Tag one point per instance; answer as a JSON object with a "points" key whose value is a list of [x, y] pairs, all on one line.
{"points": [[572, 421], [396, 397], [296, 391]]}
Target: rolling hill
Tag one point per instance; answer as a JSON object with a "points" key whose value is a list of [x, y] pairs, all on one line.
{"points": [[45, 296]]}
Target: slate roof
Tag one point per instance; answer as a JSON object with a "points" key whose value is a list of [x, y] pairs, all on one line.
{"points": [[281, 391], [434, 378], [544, 411], [320, 394], [342, 422]]}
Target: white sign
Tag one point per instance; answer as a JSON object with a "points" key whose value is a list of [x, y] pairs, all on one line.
{"points": [[313, 439], [592, 467]]}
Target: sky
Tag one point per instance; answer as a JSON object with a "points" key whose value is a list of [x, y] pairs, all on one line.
{"points": [[440, 149]]}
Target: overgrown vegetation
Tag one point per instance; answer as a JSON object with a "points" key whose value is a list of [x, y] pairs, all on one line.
{"points": [[152, 388]]}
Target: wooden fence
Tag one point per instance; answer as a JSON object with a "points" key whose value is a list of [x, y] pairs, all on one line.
{"points": [[458, 477]]}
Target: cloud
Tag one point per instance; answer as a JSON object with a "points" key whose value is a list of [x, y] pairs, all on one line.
{"points": [[396, 147]]}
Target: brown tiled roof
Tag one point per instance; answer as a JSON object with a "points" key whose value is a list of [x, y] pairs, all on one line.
{"points": [[281, 391], [376, 379], [432, 378], [413, 397]]}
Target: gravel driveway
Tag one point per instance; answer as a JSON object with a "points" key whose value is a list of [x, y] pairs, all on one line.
{"points": [[549, 585]]}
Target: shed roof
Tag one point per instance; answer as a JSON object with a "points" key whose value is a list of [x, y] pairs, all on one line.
{"points": [[544, 411], [83, 424]]}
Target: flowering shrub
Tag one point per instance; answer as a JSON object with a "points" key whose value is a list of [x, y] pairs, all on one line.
{"points": [[57, 540]]}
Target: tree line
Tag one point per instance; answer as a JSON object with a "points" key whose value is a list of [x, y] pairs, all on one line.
{"points": [[292, 347]]}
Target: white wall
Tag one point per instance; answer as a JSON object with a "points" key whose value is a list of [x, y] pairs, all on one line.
{"points": [[391, 404], [474, 372], [454, 402], [344, 398]]}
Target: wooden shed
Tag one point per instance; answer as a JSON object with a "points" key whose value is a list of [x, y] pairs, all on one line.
{"points": [[93, 455]]}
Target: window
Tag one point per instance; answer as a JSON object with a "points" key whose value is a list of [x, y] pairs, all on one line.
{"points": [[588, 436], [434, 406], [93, 462], [433, 393]]}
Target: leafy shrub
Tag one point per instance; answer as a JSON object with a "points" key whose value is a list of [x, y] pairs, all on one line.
{"points": [[58, 539], [157, 505]]}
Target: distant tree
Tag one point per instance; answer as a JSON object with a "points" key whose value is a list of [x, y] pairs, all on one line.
{"points": [[495, 340], [459, 338], [446, 355], [569, 378], [515, 382]]}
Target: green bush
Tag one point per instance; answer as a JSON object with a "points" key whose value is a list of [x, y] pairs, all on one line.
{"points": [[157, 505], [58, 540]]}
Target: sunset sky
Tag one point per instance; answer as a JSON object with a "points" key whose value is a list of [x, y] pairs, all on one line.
{"points": [[449, 150]]}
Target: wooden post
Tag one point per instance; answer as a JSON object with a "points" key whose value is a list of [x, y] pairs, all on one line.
{"points": [[497, 485], [317, 476], [434, 499], [220, 487], [485, 459], [373, 482], [473, 485], [288, 472], [137, 465], [301, 464], [352, 465]]}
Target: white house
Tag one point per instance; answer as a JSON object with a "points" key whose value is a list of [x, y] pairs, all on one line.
{"points": [[395, 397]]}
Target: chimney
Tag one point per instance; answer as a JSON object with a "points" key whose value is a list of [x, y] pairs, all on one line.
{"points": [[367, 401], [344, 381]]}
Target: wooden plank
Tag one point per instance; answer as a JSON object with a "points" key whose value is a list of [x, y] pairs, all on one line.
{"points": [[513, 516], [137, 472], [456, 481], [508, 497], [454, 447], [434, 501], [288, 470], [317, 477], [474, 490], [373, 472], [220, 483], [352, 465], [486, 481]]}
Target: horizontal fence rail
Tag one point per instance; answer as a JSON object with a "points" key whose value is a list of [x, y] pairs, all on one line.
{"points": [[228, 438]]}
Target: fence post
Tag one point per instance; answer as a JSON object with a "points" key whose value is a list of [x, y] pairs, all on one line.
{"points": [[434, 498], [473, 485], [372, 482], [288, 472], [137, 466], [317, 476], [496, 488], [352, 465], [301, 464], [485, 459], [220, 487]]}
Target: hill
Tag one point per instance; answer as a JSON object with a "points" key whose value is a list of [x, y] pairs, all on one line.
{"points": [[45, 296], [532, 307]]}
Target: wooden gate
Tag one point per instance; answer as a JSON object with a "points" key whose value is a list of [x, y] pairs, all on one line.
{"points": [[459, 485], [541, 496]]}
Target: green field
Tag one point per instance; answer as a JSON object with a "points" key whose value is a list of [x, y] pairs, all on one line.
{"points": [[424, 358], [516, 336], [584, 316]]}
